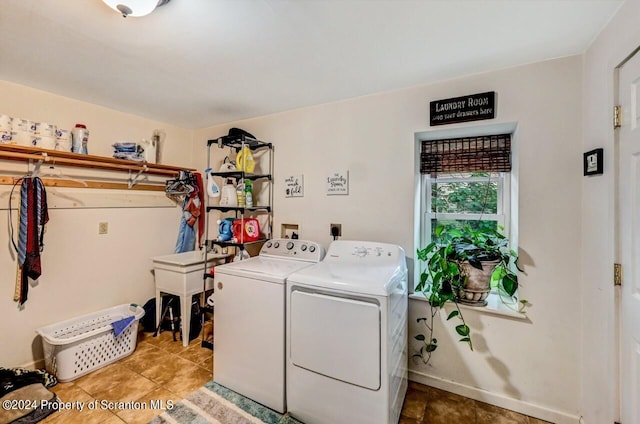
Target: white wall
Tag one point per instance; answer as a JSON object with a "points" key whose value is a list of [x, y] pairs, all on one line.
{"points": [[600, 397], [532, 366], [84, 271]]}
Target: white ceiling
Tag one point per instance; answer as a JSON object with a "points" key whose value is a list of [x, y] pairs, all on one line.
{"points": [[196, 63]]}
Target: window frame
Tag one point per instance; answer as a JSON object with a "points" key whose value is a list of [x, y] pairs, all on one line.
{"points": [[509, 196], [502, 215]]}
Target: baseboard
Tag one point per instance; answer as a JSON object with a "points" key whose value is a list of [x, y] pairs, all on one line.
{"points": [[501, 401], [35, 365]]}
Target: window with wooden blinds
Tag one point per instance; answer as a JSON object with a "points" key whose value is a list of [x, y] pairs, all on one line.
{"points": [[470, 154]]}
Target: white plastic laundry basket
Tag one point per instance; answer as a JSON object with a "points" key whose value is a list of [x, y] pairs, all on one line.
{"points": [[77, 346]]}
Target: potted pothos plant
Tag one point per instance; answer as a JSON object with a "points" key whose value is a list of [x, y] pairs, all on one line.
{"points": [[462, 266]]}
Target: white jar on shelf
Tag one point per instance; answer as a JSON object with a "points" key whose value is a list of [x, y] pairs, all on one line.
{"points": [[80, 138]]}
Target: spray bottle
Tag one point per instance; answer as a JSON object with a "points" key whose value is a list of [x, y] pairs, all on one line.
{"points": [[212, 188]]}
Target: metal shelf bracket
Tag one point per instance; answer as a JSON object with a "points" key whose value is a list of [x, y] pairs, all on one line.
{"points": [[133, 180]]}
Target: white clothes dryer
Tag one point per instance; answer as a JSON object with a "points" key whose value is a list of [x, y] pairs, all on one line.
{"points": [[249, 319], [347, 336]]}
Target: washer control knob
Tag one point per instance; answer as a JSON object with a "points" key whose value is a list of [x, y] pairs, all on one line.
{"points": [[269, 244], [276, 245], [312, 249], [290, 245], [303, 247]]}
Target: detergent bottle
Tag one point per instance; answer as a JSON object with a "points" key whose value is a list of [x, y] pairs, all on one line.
{"points": [[244, 160], [241, 195], [228, 194], [246, 230], [225, 229]]}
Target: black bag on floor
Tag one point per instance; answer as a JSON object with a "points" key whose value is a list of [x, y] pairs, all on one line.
{"points": [[148, 321], [196, 320]]}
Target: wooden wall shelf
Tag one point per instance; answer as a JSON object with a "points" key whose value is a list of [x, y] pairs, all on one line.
{"points": [[55, 157]]}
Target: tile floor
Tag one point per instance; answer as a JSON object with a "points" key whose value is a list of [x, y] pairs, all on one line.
{"points": [[428, 405], [161, 369]]}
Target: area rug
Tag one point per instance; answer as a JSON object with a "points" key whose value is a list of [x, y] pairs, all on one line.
{"points": [[216, 404]]}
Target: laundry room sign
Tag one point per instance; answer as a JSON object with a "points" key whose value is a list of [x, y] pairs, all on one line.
{"points": [[473, 107], [338, 183], [294, 186]]}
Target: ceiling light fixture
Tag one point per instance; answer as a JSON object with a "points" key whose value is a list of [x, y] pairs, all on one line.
{"points": [[134, 7]]}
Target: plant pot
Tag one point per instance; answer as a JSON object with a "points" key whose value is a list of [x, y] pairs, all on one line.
{"points": [[478, 283]]}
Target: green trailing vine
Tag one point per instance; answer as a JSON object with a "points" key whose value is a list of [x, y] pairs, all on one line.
{"points": [[443, 276]]}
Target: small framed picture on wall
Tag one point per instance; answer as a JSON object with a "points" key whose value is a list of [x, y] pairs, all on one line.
{"points": [[294, 186], [338, 183], [592, 162]]}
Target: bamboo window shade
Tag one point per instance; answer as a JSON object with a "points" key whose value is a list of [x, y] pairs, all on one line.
{"points": [[470, 154]]}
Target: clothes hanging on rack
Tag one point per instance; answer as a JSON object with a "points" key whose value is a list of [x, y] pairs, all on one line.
{"points": [[33, 217], [184, 185], [201, 219], [186, 233], [192, 210], [190, 185]]}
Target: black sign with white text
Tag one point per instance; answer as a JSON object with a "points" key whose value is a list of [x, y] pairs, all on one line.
{"points": [[474, 107]]}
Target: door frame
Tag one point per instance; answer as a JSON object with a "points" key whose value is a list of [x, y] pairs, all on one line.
{"points": [[617, 312]]}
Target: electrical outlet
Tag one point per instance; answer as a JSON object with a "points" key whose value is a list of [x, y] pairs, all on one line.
{"points": [[337, 227], [103, 227]]}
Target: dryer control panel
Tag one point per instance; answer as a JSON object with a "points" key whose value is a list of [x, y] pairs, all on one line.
{"points": [[373, 253], [293, 249], [363, 251]]}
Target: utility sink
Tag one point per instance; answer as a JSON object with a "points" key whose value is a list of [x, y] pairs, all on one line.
{"points": [[182, 274], [183, 263]]}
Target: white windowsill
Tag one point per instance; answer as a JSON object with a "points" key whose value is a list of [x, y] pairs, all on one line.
{"points": [[494, 306]]}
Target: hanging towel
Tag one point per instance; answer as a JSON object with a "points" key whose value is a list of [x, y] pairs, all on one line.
{"points": [[33, 217]]}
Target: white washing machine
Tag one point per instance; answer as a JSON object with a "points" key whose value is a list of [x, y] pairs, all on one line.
{"points": [[347, 336], [249, 319]]}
